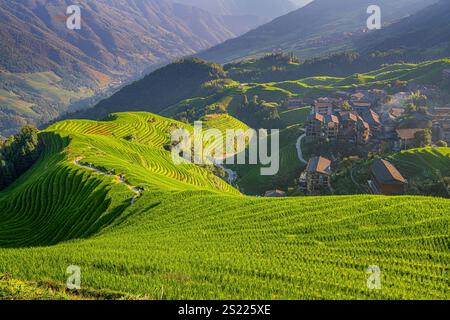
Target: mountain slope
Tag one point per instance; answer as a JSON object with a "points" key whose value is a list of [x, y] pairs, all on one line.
{"points": [[319, 27], [190, 236], [92, 199], [301, 3], [190, 88], [160, 89], [263, 9], [424, 35], [118, 41]]}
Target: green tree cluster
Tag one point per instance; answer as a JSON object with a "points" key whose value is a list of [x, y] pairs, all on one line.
{"points": [[17, 154], [258, 113], [423, 138]]}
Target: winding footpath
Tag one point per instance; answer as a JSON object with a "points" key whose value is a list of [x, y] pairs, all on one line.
{"points": [[136, 190], [299, 149]]}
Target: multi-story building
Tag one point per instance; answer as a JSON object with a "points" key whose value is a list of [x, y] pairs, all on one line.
{"points": [[362, 131], [323, 106], [318, 175], [361, 106], [331, 127], [441, 115], [314, 127], [373, 119], [348, 122]]}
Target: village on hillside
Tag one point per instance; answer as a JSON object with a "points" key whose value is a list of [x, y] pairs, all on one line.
{"points": [[369, 124]]}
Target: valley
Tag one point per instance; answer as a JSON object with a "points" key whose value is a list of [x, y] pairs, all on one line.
{"points": [[245, 247], [232, 150], [119, 41], [211, 90]]}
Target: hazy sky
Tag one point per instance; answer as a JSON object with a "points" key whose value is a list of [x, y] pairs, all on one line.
{"points": [[301, 3]]}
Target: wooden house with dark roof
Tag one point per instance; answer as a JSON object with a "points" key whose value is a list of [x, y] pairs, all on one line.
{"points": [[318, 175], [406, 138], [373, 119], [362, 131], [314, 126], [387, 179], [361, 106], [348, 121], [331, 126]]}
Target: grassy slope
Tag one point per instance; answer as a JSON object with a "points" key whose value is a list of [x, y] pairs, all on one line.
{"points": [[425, 165], [295, 116], [429, 72], [252, 182], [313, 87], [424, 161], [34, 98], [14, 289], [60, 190], [192, 236], [427, 168], [425, 72]]}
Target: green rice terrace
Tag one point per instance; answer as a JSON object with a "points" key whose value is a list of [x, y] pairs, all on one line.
{"points": [[106, 196], [227, 95], [426, 169]]}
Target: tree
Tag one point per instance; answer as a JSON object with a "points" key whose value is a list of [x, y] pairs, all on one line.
{"points": [[442, 143], [411, 108], [419, 99], [423, 110], [423, 138], [18, 154], [346, 106]]}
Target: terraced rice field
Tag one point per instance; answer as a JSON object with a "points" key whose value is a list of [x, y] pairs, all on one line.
{"points": [[192, 236], [296, 116], [252, 182], [222, 123], [427, 162]]}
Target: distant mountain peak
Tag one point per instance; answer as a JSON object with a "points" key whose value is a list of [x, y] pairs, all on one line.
{"points": [[320, 27], [265, 9]]}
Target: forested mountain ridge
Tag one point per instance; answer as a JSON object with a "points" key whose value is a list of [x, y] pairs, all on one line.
{"points": [[166, 86], [190, 88]]}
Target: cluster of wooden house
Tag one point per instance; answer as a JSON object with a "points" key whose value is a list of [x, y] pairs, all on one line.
{"points": [[385, 178], [405, 138], [370, 119], [354, 121]]}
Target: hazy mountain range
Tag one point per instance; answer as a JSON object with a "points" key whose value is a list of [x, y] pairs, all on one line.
{"points": [[397, 42], [320, 27], [45, 67], [261, 9], [423, 35]]}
